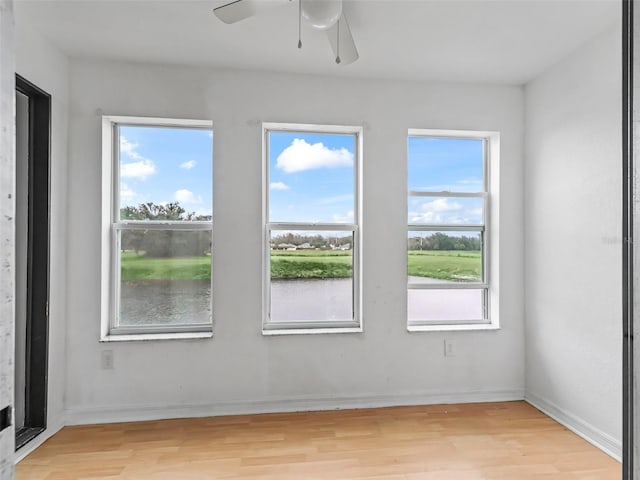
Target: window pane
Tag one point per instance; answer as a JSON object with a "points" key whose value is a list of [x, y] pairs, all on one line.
{"points": [[165, 173], [165, 277], [445, 210], [311, 276], [441, 257], [311, 177], [445, 164], [444, 305]]}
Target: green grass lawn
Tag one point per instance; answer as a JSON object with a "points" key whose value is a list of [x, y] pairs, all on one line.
{"points": [[446, 265], [310, 264], [140, 267], [443, 265]]}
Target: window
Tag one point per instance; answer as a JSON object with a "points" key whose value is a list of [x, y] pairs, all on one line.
{"points": [[448, 242], [157, 227], [311, 235]]}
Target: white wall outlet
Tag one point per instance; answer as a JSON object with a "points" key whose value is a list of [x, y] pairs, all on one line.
{"points": [[449, 348], [107, 360]]}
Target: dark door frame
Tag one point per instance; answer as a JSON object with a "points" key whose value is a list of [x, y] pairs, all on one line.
{"points": [[37, 340], [629, 297]]}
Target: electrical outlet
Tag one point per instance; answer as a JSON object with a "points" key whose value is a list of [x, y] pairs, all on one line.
{"points": [[449, 348], [107, 360]]}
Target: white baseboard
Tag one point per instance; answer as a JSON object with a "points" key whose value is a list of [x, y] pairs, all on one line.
{"points": [[49, 432], [132, 413], [579, 426]]}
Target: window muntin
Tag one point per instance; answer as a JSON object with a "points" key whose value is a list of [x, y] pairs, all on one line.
{"points": [[311, 212], [159, 245], [447, 242]]}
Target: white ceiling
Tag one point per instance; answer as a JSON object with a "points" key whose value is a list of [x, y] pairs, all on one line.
{"points": [[486, 41]]}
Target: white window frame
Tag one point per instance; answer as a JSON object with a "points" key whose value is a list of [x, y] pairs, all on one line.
{"points": [[488, 230], [112, 225], [306, 327]]}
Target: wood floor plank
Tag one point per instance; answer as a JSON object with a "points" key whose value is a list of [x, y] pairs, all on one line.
{"points": [[488, 441]]}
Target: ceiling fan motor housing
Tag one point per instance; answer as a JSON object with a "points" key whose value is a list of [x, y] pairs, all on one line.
{"points": [[322, 14]]}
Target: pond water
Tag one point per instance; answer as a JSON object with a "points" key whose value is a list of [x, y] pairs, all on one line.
{"points": [[161, 302], [311, 300]]}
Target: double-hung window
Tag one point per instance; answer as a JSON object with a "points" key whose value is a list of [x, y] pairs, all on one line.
{"points": [[311, 217], [157, 228], [448, 242]]}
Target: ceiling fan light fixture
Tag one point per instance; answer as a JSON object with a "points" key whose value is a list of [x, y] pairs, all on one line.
{"points": [[322, 14]]}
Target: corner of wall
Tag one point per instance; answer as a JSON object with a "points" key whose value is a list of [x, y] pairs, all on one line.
{"points": [[572, 175], [44, 65]]}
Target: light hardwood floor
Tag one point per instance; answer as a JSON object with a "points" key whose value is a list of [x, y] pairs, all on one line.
{"points": [[510, 440]]}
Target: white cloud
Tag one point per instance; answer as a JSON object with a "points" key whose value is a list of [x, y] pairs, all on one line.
{"points": [[300, 156], [445, 211], [126, 193], [348, 218], [440, 210], [440, 205], [188, 165], [187, 197], [278, 186], [129, 149], [141, 168], [207, 212]]}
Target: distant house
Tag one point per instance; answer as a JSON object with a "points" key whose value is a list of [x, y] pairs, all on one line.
{"points": [[285, 246]]}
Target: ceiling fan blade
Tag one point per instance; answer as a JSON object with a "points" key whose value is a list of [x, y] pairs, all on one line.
{"points": [[240, 9], [348, 53]]}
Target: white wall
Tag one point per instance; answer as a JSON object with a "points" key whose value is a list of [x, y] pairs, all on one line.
{"points": [[47, 68], [240, 370], [573, 253]]}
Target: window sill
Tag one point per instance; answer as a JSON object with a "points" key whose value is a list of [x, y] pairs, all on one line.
{"points": [[310, 331], [156, 336], [453, 328]]}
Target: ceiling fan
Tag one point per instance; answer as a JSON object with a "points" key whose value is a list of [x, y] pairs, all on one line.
{"points": [[324, 15]]}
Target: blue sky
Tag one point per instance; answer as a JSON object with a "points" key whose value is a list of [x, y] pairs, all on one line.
{"points": [[311, 177], [445, 164], [161, 165]]}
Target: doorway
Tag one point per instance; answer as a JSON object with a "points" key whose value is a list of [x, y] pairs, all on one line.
{"points": [[33, 126]]}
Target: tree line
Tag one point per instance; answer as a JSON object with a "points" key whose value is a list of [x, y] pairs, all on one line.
{"points": [[164, 243], [442, 241], [165, 211], [316, 241], [185, 243]]}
